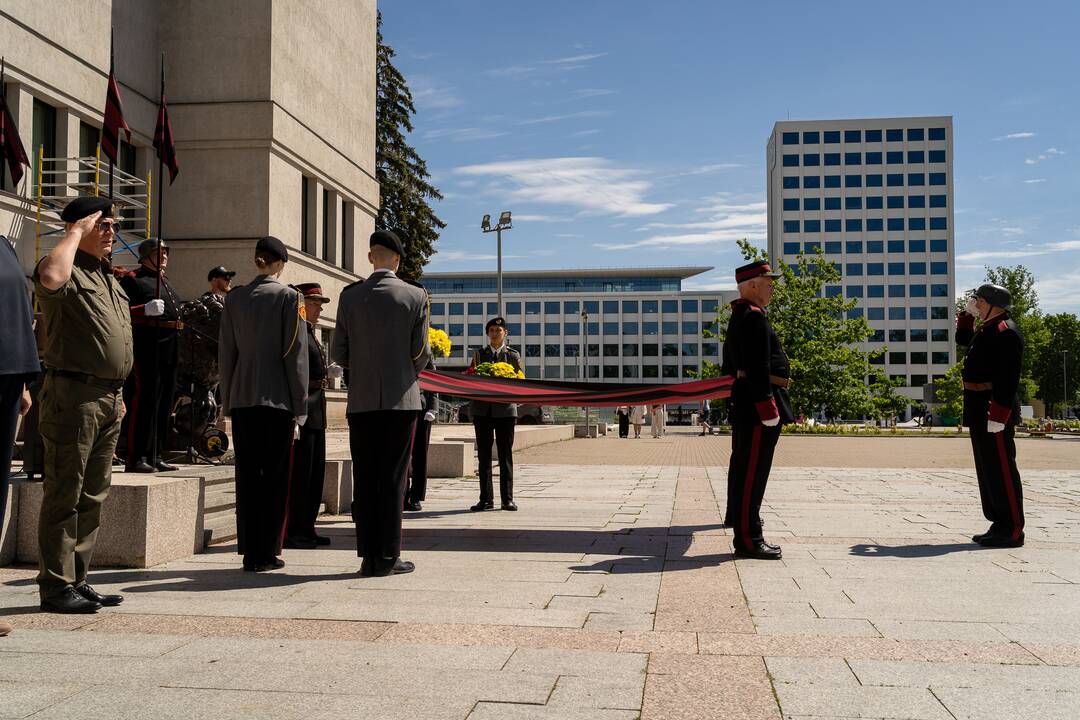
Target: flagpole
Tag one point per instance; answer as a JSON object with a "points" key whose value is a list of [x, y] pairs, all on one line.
{"points": [[112, 63], [157, 291]]}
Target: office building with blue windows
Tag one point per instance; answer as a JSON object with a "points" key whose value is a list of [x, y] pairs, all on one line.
{"points": [[877, 196], [641, 326]]}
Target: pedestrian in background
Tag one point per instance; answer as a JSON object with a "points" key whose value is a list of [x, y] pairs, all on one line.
{"points": [[623, 414], [637, 419]]}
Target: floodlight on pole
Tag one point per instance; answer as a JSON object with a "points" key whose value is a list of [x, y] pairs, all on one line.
{"points": [[503, 224], [585, 361]]}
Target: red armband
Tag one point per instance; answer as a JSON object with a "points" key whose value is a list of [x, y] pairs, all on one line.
{"points": [[138, 312], [999, 413], [766, 409]]}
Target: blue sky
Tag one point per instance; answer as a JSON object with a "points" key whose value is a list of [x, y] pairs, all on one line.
{"points": [[633, 133]]}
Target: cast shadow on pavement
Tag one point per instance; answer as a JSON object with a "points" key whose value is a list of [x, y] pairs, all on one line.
{"points": [[913, 551]]}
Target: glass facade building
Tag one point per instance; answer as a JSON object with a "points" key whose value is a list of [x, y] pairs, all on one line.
{"points": [[876, 195]]}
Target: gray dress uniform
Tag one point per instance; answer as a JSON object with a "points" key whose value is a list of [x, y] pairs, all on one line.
{"points": [[263, 356], [381, 339]]}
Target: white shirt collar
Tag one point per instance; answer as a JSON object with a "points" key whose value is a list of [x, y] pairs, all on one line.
{"points": [[386, 271], [498, 349]]}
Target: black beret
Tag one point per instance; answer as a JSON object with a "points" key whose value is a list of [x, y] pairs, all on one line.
{"points": [[495, 322], [219, 271], [388, 240], [82, 207], [273, 246]]}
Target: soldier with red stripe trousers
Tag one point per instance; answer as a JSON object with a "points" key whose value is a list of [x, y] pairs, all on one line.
{"points": [[759, 405], [991, 376]]}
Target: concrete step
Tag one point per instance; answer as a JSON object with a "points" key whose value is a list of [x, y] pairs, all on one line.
{"points": [[219, 527], [219, 497]]}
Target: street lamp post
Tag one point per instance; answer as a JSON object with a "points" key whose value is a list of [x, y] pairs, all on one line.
{"points": [[503, 224], [585, 362], [1065, 381]]}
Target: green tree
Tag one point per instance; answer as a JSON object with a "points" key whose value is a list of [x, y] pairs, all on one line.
{"points": [[885, 402], [402, 174], [1059, 361], [949, 391], [1024, 310], [828, 370]]}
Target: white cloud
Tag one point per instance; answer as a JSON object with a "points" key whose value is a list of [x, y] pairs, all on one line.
{"points": [[1057, 291], [1029, 251], [1016, 136], [567, 116], [429, 93], [1035, 181], [541, 218], [593, 184], [1044, 155], [726, 221], [706, 169], [707, 284], [464, 256], [574, 62], [584, 133], [583, 93], [575, 59], [463, 134], [1066, 245]]}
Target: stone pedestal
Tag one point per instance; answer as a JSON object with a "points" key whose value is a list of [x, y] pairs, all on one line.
{"points": [[337, 487], [451, 459]]}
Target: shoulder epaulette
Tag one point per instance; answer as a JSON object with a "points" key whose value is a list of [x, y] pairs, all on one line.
{"points": [[1002, 326]]}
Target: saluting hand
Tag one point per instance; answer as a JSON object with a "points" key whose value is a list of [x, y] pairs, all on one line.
{"points": [[81, 227]]}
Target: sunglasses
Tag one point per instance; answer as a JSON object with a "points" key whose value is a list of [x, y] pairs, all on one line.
{"points": [[113, 227]]}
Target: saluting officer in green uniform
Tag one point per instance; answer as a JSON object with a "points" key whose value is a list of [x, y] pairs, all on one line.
{"points": [[88, 354]]}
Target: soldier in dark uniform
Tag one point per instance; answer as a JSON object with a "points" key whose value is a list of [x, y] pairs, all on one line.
{"points": [[220, 279], [88, 354], [309, 452], [262, 351], [991, 376], [759, 405], [149, 392], [495, 421], [417, 490]]}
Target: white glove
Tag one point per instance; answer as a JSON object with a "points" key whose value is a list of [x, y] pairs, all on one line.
{"points": [[970, 308], [994, 427], [334, 372], [771, 423], [429, 416], [154, 308]]}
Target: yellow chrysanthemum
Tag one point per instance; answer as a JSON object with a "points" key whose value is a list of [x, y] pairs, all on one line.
{"points": [[440, 341]]}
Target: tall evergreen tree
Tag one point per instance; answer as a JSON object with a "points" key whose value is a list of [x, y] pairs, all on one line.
{"points": [[401, 172]]}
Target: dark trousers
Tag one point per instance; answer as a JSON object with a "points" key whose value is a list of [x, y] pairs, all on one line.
{"points": [[418, 466], [999, 481], [306, 485], [748, 473], [146, 385], [262, 439], [11, 389], [501, 430], [381, 444], [624, 426]]}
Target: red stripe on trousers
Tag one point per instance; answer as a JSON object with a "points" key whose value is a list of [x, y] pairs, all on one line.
{"points": [[133, 419], [1006, 477], [748, 484]]}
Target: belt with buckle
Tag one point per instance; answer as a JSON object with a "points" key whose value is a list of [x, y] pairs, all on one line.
{"points": [[978, 387], [774, 379], [88, 379]]}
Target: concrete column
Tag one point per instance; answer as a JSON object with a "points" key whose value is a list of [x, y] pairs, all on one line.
{"points": [[314, 219], [67, 146]]}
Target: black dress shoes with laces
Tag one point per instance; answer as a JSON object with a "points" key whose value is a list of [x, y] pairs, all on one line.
{"points": [[509, 506], [163, 466], [94, 596], [760, 551], [1001, 541], [140, 467], [483, 505], [413, 506], [300, 543], [69, 602], [392, 566]]}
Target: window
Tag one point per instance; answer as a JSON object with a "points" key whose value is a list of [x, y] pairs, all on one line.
{"points": [[792, 248], [917, 246], [937, 201], [897, 358], [832, 181], [532, 308], [832, 226], [937, 156], [894, 157], [873, 136], [630, 371], [809, 138], [939, 313], [916, 201], [571, 307], [629, 306], [811, 182], [476, 329], [852, 136], [649, 307], [551, 308], [896, 224], [710, 306], [811, 226], [875, 291], [552, 329], [669, 327], [874, 224], [833, 290], [532, 329], [917, 334], [938, 246], [854, 313], [896, 246], [938, 223], [939, 334], [874, 202], [875, 246], [873, 158], [894, 180], [895, 135], [896, 268], [937, 178], [811, 160], [916, 223], [875, 313], [898, 336], [832, 159], [689, 327], [918, 380], [611, 350], [895, 201], [611, 307], [630, 328], [832, 137], [918, 313], [853, 225], [438, 308], [611, 328], [791, 204], [832, 203], [791, 160], [854, 246], [791, 138], [513, 308], [940, 358], [916, 179], [552, 350], [936, 133], [611, 371], [875, 269], [853, 181], [915, 157], [915, 134], [918, 358], [457, 308], [650, 350], [939, 290], [854, 291], [832, 247], [630, 350], [532, 351], [917, 268], [853, 158], [670, 306], [894, 292], [671, 371], [939, 268], [689, 306], [710, 349], [571, 328], [689, 349], [813, 246], [476, 308], [43, 136], [791, 182], [877, 336], [650, 328], [671, 349]]}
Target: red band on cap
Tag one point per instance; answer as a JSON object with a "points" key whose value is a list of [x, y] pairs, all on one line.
{"points": [[753, 272]]}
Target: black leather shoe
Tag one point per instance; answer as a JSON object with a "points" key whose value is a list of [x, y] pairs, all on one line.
{"points": [[299, 543], [264, 565], [94, 596], [1001, 541], [412, 506], [320, 540], [394, 566], [367, 567], [760, 551], [163, 466], [69, 602], [482, 505], [509, 506], [140, 467]]}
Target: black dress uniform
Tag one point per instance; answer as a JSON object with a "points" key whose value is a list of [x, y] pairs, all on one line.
{"points": [[754, 357], [991, 376], [309, 454], [495, 421], [152, 384]]}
